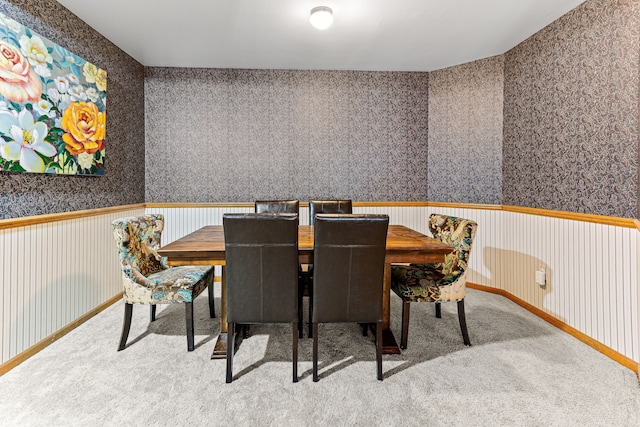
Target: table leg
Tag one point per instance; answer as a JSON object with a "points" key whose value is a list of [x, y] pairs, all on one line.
{"points": [[220, 348], [389, 343]]}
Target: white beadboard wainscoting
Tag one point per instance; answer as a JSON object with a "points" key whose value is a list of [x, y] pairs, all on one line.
{"points": [[591, 268], [53, 273]]}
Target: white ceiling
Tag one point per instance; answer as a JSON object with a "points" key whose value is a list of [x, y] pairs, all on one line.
{"points": [[377, 35]]}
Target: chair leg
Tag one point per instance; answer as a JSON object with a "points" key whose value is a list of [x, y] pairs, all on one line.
{"points": [[300, 297], [406, 309], [190, 333], [310, 288], [295, 352], [379, 350], [212, 306], [128, 310], [463, 322], [152, 313], [231, 344], [438, 310], [365, 328], [315, 352]]}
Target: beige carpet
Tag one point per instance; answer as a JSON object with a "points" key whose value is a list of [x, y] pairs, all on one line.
{"points": [[519, 371]]}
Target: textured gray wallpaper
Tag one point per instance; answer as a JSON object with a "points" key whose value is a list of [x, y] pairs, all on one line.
{"points": [[570, 135], [23, 194], [465, 132], [238, 135], [571, 113]]}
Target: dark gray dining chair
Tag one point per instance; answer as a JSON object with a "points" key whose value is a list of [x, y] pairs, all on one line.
{"points": [[292, 207], [277, 206], [328, 207], [306, 272], [348, 274], [261, 275]]}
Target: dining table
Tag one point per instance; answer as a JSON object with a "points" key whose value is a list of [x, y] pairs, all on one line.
{"points": [[206, 246]]}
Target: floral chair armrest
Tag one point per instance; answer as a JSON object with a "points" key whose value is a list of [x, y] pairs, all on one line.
{"points": [[164, 262]]}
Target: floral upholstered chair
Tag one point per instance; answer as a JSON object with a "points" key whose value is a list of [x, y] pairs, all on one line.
{"points": [[445, 281], [146, 277]]}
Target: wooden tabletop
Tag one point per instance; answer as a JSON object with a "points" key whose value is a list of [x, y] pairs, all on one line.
{"points": [[205, 246]]}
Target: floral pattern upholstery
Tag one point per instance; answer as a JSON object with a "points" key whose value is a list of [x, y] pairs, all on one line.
{"points": [[445, 281], [146, 277]]}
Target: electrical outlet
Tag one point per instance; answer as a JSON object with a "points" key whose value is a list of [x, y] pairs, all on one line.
{"points": [[541, 278]]}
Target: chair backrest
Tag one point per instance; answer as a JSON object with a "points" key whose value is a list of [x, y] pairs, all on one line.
{"points": [[138, 239], [328, 207], [459, 233], [348, 267], [277, 206], [261, 267]]}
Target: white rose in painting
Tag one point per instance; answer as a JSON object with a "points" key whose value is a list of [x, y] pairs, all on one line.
{"points": [[85, 160], [37, 54], [10, 23], [93, 95], [43, 107], [53, 94], [77, 94], [62, 84]]}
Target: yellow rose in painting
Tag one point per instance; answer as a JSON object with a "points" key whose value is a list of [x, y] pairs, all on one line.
{"points": [[85, 128], [18, 81]]}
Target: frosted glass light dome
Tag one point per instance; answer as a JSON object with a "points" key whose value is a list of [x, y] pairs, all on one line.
{"points": [[321, 17]]}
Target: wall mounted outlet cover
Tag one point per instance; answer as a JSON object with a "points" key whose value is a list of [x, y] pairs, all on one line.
{"points": [[541, 278]]}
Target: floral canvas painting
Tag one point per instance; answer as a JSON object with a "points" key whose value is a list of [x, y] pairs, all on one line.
{"points": [[52, 106]]}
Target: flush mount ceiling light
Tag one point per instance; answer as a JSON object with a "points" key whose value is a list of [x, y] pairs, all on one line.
{"points": [[321, 17]]}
